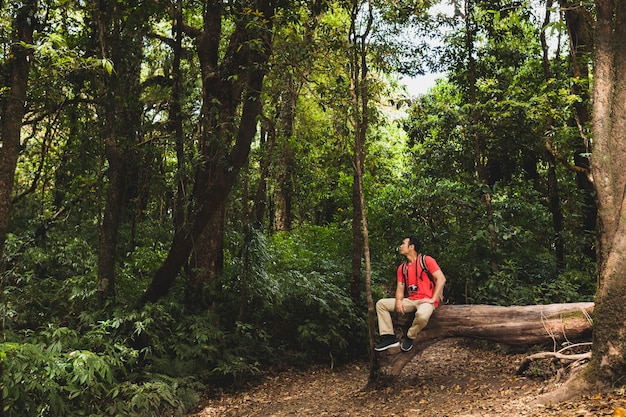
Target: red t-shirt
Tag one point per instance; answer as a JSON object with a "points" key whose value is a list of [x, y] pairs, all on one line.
{"points": [[418, 284]]}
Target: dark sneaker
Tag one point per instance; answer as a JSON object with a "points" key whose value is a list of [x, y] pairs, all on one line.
{"points": [[407, 344], [387, 341]]}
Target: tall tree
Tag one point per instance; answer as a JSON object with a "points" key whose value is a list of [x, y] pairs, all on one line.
{"points": [[554, 201], [359, 38], [361, 26], [607, 167], [579, 21], [232, 80], [14, 72], [120, 33], [476, 135], [15, 69]]}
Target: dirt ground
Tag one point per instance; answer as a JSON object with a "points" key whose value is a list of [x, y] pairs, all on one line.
{"points": [[455, 377]]}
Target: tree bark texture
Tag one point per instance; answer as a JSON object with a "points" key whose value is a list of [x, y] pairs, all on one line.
{"points": [[515, 326], [607, 167], [17, 68], [207, 259]]}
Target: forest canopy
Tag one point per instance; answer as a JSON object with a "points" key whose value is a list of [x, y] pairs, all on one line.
{"points": [[178, 204]]}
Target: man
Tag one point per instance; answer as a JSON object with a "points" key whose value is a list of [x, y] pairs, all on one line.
{"points": [[423, 296]]}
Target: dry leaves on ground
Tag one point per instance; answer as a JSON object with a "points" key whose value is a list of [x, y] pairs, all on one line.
{"points": [[455, 377]]}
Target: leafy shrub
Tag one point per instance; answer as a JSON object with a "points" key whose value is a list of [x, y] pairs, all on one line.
{"points": [[48, 374], [513, 286], [297, 299], [38, 380]]}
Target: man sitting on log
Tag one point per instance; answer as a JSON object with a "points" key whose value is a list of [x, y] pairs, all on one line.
{"points": [[415, 292]]}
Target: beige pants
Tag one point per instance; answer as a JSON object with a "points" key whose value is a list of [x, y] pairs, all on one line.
{"points": [[385, 306]]}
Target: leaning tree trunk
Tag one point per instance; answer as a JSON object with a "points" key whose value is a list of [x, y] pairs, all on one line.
{"points": [[182, 243], [515, 326], [607, 167]]}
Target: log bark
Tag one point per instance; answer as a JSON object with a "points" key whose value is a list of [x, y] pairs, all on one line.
{"points": [[514, 326]]}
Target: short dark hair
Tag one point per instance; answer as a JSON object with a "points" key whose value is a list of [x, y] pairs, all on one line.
{"points": [[414, 241]]}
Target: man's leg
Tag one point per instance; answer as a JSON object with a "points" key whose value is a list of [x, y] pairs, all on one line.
{"points": [[422, 315], [384, 308]]}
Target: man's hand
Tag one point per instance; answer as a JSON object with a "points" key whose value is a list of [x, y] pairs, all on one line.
{"points": [[399, 306]]}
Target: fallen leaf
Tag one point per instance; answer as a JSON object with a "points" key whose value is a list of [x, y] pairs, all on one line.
{"points": [[619, 412]]}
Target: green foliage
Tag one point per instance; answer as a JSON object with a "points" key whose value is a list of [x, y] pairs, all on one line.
{"points": [[40, 381], [321, 319], [515, 286], [50, 379], [47, 282], [299, 289]]}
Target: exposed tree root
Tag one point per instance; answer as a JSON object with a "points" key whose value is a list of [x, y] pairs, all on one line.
{"points": [[559, 355], [573, 388]]}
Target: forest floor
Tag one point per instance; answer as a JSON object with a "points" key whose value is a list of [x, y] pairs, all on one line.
{"points": [[455, 377]]}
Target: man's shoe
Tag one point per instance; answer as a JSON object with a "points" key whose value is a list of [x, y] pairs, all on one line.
{"points": [[407, 344], [387, 341]]}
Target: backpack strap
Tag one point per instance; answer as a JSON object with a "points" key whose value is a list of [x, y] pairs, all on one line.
{"points": [[405, 276], [443, 298], [422, 259]]}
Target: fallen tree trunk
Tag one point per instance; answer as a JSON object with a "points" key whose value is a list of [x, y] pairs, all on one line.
{"points": [[515, 326]]}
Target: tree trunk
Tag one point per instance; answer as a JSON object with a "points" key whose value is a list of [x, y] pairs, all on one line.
{"points": [[12, 109], [607, 167], [480, 159], [283, 215], [359, 90], [17, 68], [216, 195], [579, 23], [176, 117], [107, 242], [121, 42], [554, 201], [357, 234], [207, 260], [515, 326]]}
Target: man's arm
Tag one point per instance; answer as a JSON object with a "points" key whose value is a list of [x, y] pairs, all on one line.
{"points": [[440, 282], [399, 297]]}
